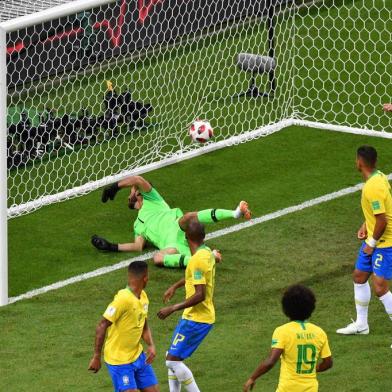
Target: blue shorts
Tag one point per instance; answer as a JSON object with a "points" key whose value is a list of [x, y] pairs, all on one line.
{"points": [[379, 263], [136, 375], [187, 337]]}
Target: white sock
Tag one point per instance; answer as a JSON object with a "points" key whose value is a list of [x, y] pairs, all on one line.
{"points": [[362, 296], [183, 374], [237, 213], [174, 384], [386, 299]]}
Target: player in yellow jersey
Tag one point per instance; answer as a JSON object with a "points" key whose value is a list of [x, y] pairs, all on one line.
{"points": [[125, 323], [299, 344], [375, 254], [199, 313]]}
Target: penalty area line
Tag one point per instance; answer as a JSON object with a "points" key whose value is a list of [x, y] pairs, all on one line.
{"points": [[215, 234]]}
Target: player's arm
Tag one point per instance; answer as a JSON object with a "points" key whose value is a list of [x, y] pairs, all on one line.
{"points": [[379, 228], [136, 246], [103, 244], [381, 225], [129, 182], [169, 293], [376, 198], [199, 296], [137, 181], [263, 368], [100, 333], [147, 337], [325, 364]]}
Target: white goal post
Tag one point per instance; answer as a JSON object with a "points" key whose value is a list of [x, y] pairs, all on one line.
{"points": [[6, 28], [92, 91]]}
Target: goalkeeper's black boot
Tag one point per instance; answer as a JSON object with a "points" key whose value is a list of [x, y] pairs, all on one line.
{"points": [[102, 244]]}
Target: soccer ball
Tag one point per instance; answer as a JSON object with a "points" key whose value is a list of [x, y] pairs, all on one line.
{"points": [[201, 131]]}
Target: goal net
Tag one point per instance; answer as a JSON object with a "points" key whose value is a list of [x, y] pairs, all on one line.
{"points": [[97, 90]]}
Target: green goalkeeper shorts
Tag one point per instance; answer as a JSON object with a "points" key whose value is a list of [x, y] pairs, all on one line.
{"points": [[175, 238]]}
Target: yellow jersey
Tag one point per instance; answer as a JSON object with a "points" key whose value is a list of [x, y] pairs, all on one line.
{"points": [[201, 270], [303, 344], [128, 315], [377, 199]]}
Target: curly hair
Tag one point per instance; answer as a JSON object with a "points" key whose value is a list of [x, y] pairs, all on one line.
{"points": [[298, 302]]}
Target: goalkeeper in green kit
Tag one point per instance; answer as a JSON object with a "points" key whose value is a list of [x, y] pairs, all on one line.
{"points": [[160, 225]]}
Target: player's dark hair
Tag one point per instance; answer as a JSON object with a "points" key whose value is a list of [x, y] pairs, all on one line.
{"points": [[138, 268], [368, 154], [132, 202], [298, 302], [195, 232]]}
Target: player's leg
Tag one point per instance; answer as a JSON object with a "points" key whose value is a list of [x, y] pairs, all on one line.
{"points": [[180, 375], [382, 267], [177, 253], [123, 377], [216, 215], [174, 384], [362, 295], [145, 377], [154, 388], [170, 258], [186, 339]]}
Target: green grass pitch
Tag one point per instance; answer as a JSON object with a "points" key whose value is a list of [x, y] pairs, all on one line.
{"points": [[46, 342]]}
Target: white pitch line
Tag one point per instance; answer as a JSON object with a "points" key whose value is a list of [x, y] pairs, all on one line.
{"points": [[214, 234]]}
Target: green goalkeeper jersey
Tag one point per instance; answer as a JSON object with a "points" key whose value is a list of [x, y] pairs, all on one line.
{"points": [[158, 223]]}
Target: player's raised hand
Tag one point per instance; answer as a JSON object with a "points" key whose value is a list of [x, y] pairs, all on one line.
{"points": [[151, 354], [95, 364], [248, 386], [168, 295], [110, 192]]}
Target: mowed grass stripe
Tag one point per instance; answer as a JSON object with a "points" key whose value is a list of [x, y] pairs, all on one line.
{"points": [[215, 234]]}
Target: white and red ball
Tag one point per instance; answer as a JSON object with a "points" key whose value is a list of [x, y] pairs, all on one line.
{"points": [[201, 131]]}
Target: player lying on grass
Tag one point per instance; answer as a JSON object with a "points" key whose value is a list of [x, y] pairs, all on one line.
{"points": [[375, 254], [198, 315], [160, 225], [125, 324], [299, 344]]}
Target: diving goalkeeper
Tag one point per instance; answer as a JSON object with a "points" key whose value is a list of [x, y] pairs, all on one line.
{"points": [[160, 225]]}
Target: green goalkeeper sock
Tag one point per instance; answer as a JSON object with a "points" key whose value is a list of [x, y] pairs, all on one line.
{"points": [[176, 261], [215, 215]]}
